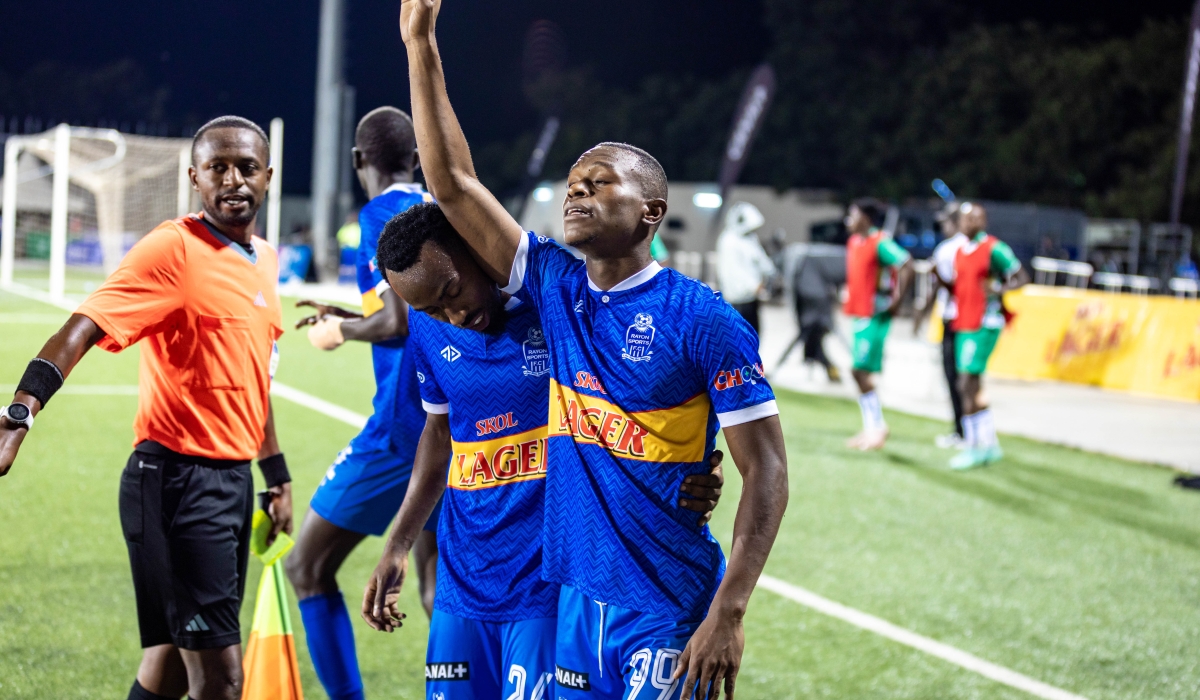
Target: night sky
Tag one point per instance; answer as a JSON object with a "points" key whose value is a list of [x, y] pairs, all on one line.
{"points": [[258, 59]]}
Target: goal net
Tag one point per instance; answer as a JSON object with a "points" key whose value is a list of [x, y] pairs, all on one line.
{"points": [[118, 187]]}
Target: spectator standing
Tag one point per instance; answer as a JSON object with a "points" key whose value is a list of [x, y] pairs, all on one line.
{"points": [[743, 267]]}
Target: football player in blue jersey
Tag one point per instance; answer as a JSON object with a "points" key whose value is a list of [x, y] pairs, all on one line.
{"points": [[484, 375], [645, 365], [366, 484]]}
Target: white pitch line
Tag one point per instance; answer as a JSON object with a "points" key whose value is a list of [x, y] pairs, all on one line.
{"points": [[319, 405], [33, 319], [932, 647], [38, 295]]}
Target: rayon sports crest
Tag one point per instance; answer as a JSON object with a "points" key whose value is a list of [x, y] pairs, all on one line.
{"points": [[537, 356], [638, 338]]}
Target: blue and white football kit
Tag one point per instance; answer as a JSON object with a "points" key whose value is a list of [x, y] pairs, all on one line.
{"points": [[493, 628], [641, 375], [366, 484]]}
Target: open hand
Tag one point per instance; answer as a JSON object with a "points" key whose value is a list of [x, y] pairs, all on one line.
{"points": [[703, 491], [417, 19], [712, 657], [322, 311], [380, 607]]}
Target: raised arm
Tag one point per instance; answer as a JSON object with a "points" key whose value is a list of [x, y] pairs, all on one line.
{"points": [[63, 350], [380, 606], [445, 157], [714, 653]]}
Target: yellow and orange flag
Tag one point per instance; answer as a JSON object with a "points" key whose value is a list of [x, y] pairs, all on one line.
{"points": [[270, 668]]}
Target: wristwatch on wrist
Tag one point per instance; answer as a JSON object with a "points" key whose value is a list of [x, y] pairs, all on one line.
{"points": [[19, 414]]}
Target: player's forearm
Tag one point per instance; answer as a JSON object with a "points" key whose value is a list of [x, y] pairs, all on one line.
{"points": [[1019, 279], [449, 171], [758, 451], [270, 443], [445, 155], [65, 349], [427, 483], [905, 278], [389, 322]]}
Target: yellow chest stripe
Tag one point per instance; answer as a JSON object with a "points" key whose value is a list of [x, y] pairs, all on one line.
{"points": [[504, 460], [674, 434]]}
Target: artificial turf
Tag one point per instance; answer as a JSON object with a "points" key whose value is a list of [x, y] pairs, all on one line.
{"points": [[1078, 570]]}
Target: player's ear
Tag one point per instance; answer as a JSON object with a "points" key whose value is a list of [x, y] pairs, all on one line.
{"points": [[357, 158], [416, 161], [192, 178], [653, 211]]}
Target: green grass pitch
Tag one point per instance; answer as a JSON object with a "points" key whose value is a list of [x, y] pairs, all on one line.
{"points": [[1078, 570]]}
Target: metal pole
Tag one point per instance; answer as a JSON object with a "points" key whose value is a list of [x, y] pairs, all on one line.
{"points": [[183, 192], [8, 210], [1185, 117], [326, 128], [275, 191], [345, 194], [58, 211]]}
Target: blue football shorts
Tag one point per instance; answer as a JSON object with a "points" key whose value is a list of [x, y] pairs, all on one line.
{"points": [[607, 652], [363, 490], [475, 660]]}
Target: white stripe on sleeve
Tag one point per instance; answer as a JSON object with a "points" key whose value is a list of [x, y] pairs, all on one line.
{"points": [[745, 415], [516, 278], [439, 409]]}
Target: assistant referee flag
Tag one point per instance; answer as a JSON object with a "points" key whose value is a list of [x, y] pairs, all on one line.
{"points": [[270, 668]]}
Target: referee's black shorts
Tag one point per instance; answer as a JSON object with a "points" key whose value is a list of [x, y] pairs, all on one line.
{"points": [[187, 526]]}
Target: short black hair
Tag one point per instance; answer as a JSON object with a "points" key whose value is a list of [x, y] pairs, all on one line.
{"points": [[875, 210], [647, 168], [229, 121], [386, 138], [407, 232]]}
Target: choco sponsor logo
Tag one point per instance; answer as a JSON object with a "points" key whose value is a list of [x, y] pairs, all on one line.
{"points": [[448, 671], [571, 679], [728, 379]]}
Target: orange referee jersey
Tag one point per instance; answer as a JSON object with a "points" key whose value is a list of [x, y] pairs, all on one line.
{"points": [[209, 316]]}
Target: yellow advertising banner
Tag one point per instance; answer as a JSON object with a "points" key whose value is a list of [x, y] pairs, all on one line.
{"points": [[1147, 345]]}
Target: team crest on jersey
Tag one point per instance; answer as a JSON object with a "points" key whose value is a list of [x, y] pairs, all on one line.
{"points": [[638, 338], [537, 355]]}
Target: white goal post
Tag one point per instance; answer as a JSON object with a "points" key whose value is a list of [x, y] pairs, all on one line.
{"points": [[83, 196]]}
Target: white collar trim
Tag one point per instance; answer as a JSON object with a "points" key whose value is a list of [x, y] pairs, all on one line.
{"points": [[647, 273], [411, 187]]}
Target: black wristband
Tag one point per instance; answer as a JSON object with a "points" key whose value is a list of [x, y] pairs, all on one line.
{"points": [[274, 470], [41, 380]]}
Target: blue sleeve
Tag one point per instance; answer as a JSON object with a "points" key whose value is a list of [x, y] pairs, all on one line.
{"points": [[370, 222], [538, 264], [433, 399], [725, 350]]}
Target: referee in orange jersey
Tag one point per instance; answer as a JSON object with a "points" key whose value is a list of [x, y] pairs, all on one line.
{"points": [[199, 293]]}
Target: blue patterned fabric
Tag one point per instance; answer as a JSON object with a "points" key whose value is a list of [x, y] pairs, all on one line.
{"points": [[365, 485], [489, 536], [641, 376], [385, 430]]}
